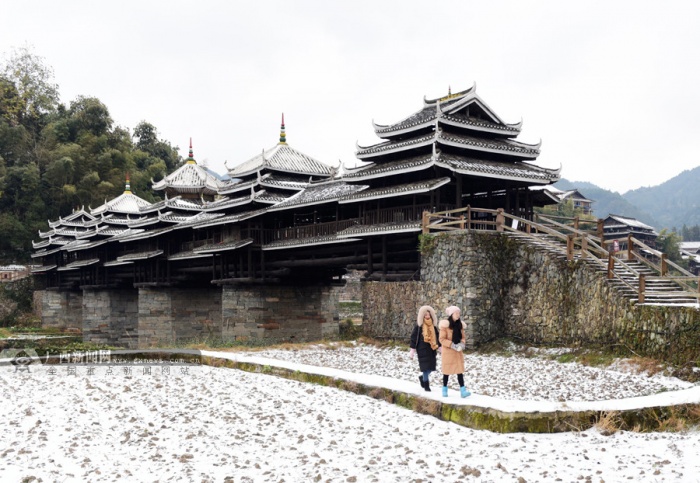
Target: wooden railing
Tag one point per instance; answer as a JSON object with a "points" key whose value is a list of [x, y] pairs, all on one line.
{"points": [[578, 242]]}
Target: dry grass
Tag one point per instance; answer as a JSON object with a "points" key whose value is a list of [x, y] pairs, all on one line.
{"points": [[645, 365], [608, 422]]}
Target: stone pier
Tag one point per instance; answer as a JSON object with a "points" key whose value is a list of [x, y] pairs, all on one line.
{"points": [[172, 315], [61, 309], [163, 316], [109, 317], [283, 313]]}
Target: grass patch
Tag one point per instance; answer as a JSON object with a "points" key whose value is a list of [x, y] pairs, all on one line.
{"points": [[596, 358], [348, 330], [566, 358], [350, 306]]}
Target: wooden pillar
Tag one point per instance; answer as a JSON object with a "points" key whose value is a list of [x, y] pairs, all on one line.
{"points": [[664, 265], [384, 257], [262, 264], [642, 288], [458, 194], [629, 247], [370, 257]]}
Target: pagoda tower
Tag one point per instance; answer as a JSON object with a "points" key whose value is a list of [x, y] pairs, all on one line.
{"points": [[457, 137]]}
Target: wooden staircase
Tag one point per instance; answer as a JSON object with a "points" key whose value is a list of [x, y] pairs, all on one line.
{"points": [[625, 280], [639, 273]]}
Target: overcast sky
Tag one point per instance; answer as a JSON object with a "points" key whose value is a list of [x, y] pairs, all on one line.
{"points": [[611, 88]]}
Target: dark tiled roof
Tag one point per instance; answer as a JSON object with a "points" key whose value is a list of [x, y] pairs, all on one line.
{"points": [[77, 218], [44, 268], [414, 163], [317, 194], [231, 218], [299, 242], [282, 157], [79, 263], [239, 185], [193, 178], [277, 180], [127, 202], [388, 191], [223, 246], [394, 146], [139, 256], [188, 255], [499, 145], [497, 169], [381, 229], [146, 234]]}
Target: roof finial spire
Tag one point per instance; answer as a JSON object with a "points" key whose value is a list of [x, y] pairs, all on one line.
{"points": [[449, 90], [127, 188], [283, 135], [190, 158]]}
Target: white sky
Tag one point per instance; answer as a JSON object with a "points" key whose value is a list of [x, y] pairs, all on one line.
{"points": [[609, 87]]}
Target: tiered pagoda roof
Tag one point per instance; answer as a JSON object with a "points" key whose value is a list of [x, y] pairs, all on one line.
{"points": [[192, 179], [458, 132], [285, 159]]}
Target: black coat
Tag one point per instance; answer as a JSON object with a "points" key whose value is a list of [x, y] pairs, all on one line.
{"points": [[426, 355]]}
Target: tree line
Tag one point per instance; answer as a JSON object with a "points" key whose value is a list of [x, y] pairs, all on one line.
{"points": [[55, 158]]}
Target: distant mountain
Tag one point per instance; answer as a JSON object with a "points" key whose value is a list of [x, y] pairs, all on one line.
{"points": [[607, 202], [673, 203]]}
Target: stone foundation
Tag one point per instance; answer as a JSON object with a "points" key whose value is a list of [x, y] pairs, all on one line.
{"points": [[61, 309], [280, 313], [109, 317], [506, 287], [167, 315], [150, 317]]}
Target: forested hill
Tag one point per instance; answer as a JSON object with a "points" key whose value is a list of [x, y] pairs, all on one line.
{"points": [[606, 202], [669, 205], [55, 157], [674, 203]]}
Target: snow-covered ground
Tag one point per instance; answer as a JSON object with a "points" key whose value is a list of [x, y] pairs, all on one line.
{"points": [[536, 377], [209, 424]]}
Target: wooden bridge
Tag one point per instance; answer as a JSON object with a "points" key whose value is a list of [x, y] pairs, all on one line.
{"points": [[638, 272]]}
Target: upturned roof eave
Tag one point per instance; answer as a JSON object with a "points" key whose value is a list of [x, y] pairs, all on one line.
{"points": [[548, 176], [400, 191], [379, 150]]}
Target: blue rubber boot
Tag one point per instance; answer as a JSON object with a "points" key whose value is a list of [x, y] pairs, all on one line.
{"points": [[464, 392], [444, 391]]}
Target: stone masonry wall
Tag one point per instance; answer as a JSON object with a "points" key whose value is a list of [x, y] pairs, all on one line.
{"points": [[282, 313], [389, 309], [61, 309], [196, 313], [169, 315], [155, 323], [506, 287], [109, 317]]}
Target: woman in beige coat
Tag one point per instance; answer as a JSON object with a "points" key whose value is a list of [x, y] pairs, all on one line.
{"points": [[453, 340]]}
